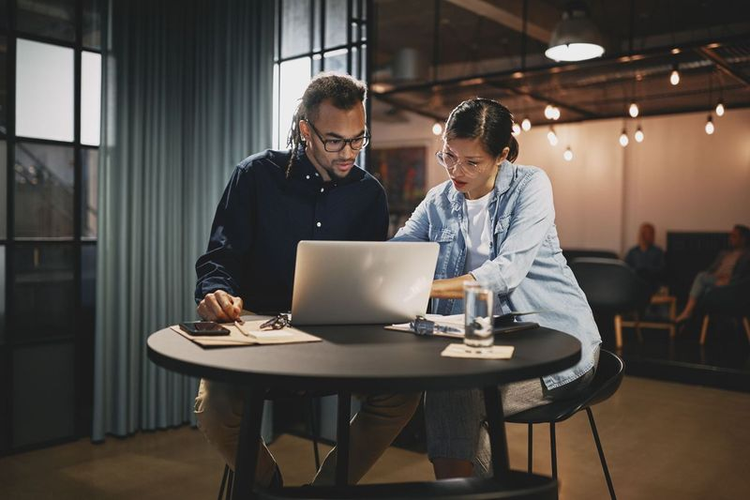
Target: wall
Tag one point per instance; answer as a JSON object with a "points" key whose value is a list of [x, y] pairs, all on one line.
{"points": [[679, 178]]}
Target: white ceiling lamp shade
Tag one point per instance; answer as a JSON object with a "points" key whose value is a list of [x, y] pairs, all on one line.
{"points": [[575, 38]]}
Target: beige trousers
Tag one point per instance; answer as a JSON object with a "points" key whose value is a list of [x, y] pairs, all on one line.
{"points": [[218, 408]]}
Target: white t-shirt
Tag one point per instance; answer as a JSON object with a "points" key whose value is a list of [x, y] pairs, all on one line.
{"points": [[480, 233]]}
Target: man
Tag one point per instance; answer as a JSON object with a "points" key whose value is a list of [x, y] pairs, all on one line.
{"points": [[646, 258], [731, 266], [273, 200]]}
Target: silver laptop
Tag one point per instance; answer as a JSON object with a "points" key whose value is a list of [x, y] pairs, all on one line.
{"points": [[359, 282]]}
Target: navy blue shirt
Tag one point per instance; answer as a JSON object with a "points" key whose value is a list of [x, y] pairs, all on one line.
{"points": [[263, 215]]}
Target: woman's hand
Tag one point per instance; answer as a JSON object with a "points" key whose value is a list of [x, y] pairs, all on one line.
{"points": [[452, 288]]}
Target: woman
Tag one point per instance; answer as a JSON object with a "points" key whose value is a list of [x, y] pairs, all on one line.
{"points": [[495, 223]]}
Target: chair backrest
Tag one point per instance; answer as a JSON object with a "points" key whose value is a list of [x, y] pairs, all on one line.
{"points": [[571, 254], [608, 377], [610, 285]]}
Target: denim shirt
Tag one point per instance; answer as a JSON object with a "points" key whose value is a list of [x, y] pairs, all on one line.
{"points": [[526, 268]]}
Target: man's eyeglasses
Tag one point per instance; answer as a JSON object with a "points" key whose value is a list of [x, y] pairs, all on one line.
{"points": [[450, 162], [336, 145]]}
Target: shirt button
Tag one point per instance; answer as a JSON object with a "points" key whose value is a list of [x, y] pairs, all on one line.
{"points": [[322, 190], [317, 175], [307, 177], [318, 224]]}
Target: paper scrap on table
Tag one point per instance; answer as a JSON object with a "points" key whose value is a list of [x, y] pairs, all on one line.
{"points": [[463, 351]]}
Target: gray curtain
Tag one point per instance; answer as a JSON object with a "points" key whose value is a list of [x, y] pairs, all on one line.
{"points": [[187, 90]]}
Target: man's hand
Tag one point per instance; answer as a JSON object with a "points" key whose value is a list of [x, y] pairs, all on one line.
{"points": [[220, 306]]}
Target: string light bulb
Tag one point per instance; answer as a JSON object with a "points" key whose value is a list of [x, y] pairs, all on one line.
{"points": [[552, 137], [639, 136], [526, 124], [555, 113], [674, 78], [437, 128], [568, 154], [516, 129], [710, 125], [624, 138], [633, 109], [549, 111], [720, 109]]}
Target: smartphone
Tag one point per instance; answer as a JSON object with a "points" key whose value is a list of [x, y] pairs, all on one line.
{"points": [[203, 328]]}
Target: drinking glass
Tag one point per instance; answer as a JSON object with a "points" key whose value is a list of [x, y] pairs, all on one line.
{"points": [[478, 313]]}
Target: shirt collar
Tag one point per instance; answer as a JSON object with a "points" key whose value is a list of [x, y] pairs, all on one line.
{"points": [[304, 169], [503, 180]]}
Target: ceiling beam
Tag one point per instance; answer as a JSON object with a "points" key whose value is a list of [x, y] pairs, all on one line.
{"points": [[413, 109], [723, 65], [558, 68], [504, 17], [590, 115]]}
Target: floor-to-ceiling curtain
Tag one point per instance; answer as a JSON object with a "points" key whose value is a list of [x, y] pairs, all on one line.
{"points": [[187, 90]]}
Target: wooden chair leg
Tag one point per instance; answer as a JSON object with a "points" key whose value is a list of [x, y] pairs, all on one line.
{"points": [[638, 326], [672, 316], [618, 331], [746, 324], [704, 329]]}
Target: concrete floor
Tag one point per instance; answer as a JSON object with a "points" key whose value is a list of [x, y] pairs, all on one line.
{"points": [[662, 441]]}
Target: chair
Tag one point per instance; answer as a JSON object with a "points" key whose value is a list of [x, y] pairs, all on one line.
{"points": [[611, 287], [608, 377], [227, 480], [572, 254], [731, 300]]}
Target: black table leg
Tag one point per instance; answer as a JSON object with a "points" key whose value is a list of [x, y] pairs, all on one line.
{"points": [[342, 438], [249, 443], [498, 442]]}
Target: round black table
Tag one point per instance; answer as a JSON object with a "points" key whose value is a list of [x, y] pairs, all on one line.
{"points": [[365, 359]]}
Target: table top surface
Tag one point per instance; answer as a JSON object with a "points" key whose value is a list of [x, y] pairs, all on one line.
{"points": [[364, 358]]}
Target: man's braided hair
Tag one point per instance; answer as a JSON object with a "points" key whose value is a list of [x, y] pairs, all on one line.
{"points": [[343, 91]]}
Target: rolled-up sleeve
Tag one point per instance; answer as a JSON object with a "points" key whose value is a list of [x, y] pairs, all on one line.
{"points": [[221, 268], [530, 222]]}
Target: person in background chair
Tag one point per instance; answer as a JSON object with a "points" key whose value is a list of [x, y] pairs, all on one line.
{"points": [[647, 259], [275, 199], [730, 266]]}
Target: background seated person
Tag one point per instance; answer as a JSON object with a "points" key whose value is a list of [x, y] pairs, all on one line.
{"points": [[647, 259], [731, 266]]}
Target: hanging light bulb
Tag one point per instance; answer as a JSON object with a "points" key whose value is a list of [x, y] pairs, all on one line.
{"points": [[633, 109], [437, 128], [568, 154], [552, 137], [555, 113], [710, 125], [549, 111], [674, 78], [516, 129], [624, 138], [720, 109], [639, 134], [526, 124]]}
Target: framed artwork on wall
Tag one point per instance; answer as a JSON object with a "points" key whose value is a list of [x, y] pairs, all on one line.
{"points": [[403, 172]]}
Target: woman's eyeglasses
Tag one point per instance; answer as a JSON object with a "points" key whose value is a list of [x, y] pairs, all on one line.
{"points": [[336, 145], [450, 162]]}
